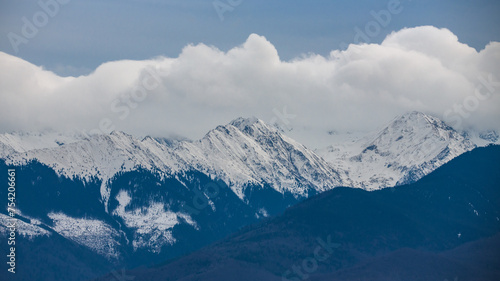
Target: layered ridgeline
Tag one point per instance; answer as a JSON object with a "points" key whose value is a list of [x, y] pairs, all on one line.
{"points": [[446, 226], [129, 201]]}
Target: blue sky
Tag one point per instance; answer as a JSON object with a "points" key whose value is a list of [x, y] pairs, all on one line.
{"points": [[86, 33]]}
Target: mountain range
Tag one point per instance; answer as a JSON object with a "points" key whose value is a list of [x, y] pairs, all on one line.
{"points": [[445, 226], [127, 201]]}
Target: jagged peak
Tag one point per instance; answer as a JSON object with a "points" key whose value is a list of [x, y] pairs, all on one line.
{"points": [[414, 116], [148, 138], [413, 128], [415, 121], [121, 134], [241, 122], [412, 113], [248, 126]]}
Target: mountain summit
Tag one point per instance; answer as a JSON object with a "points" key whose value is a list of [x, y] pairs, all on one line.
{"points": [[248, 151], [407, 148]]}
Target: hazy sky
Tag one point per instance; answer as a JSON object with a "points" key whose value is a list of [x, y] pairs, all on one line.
{"points": [[183, 67], [86, 33]]}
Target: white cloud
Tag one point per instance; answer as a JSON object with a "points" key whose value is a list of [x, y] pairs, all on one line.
{"points": [[423, 68]]}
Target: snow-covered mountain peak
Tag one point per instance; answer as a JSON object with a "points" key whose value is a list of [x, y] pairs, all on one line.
{"points": [[120, 134], [247, 152], [407, 148], [253, 153], [414, 122], [410, 130], [242, 153], [242, 123], [414, 115], [418, 119]]}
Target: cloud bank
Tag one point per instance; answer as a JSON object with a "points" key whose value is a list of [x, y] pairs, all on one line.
{"points": [[423, 68]]}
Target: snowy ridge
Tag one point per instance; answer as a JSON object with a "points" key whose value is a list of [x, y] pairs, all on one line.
{"points": [[101, 157], [23, 142], [244, 152], [409, 147], [247, 151]]}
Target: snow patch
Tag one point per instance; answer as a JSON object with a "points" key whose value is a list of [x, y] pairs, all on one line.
{"points": [[92, 233], [24, 229], [152, 224]]}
